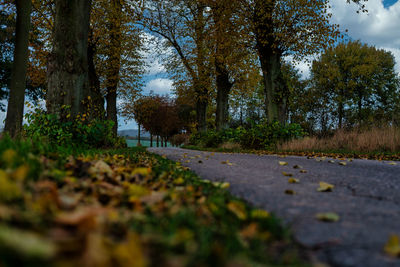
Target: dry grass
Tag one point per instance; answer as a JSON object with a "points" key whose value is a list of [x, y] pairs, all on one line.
{"points": [[230, 146], [372, 140]]}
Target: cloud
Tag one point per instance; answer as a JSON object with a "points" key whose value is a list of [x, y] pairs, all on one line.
{"points": [[378, 27], [159, 86]]}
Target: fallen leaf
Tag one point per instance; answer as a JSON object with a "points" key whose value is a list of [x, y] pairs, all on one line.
{"points": [[249, 231], [26, 244], [259, 214], [331, 161], [303, 171], [200, 161], [297, 167], [100, 167], [283, 163], [343, 163], [287, 174], [290, 192], [130, 252], [392, 163], [325, 187], [294, 181], [392, 247], [327, 217], [238, 209]]}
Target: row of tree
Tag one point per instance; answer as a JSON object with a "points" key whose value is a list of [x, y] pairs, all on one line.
{"points": [[350, 85], [161, 116], [85, 52], [80, 54]]}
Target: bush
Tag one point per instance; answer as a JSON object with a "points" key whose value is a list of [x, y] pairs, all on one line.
{"points": [[94, 134], [257, 136], [179, 139]]}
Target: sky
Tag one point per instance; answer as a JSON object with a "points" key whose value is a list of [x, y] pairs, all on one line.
{"points": [[379, 27]]}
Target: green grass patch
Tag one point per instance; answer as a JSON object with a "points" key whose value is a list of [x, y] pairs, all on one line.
{"points": [[126, 207]]}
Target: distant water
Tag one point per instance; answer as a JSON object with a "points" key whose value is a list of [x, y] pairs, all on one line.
{"points": [[133, 143]]}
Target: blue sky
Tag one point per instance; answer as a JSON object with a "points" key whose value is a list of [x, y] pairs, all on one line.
{"points": [[388, 3]]}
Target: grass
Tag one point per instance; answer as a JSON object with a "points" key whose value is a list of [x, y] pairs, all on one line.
{"points": [[126, 207], [375, 143]]}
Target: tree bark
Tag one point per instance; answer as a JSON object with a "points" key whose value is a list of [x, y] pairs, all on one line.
{"points": [[275, 90], [15, 109], [138, 143], [151, 140], [68, 81], [158, 138], [224, 87], [114, 62], [95, 104]]}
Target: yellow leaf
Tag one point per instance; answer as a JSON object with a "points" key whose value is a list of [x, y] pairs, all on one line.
{"points": [[9, 190], [392, 246], [142, 171], [238, 209], [259, 214], [325, 187], [297, 167], [21, 173], [287, 174], [343, 163], [283, 163], [9, 156], [135, 190], [331, 161], [179, 181], [294, 181], [392, 163], [225, 185], [303, 171], [327, 217]]}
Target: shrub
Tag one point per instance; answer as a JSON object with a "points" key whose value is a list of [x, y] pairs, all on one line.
{"points": [[257, 136], [94, 134], [179, 139]]}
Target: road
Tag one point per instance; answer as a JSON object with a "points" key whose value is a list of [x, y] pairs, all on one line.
{"points": [[366, 196]]}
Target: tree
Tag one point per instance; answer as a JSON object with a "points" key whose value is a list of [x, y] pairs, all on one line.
{"points": [[67, 77], [7, 27], [15, 109], [182, 25], [297, 28], [359, 82]]}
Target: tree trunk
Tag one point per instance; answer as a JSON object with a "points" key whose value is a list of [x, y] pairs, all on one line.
{"points": [[67, 81], [201, 113], [114, 62], [151, 140], [275, 90], [138, 143], [224, 87], [166, 142], [94, 104], [15, 109], [158, 138]]}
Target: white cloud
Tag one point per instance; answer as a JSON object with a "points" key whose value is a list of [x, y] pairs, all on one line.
{"points": [[159, 86], [151, 54], [378, 27]]}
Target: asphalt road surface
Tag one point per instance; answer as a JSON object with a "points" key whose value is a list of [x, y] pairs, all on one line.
{"points": [[366, 196]]}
